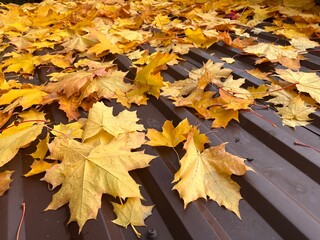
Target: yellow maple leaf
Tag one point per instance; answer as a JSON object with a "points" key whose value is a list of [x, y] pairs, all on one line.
{"points": [[17, 63], [5, 180], [229, 101], [131, 212], [39, 165], [259, 92], [208, 173], [305, 82], [303, 43], [105, 165], [228, 60], [69, 83], [101, 118], [78, 42], [259, 74], [16, 137], [69, 106], [199, 39], [234, 87], [150, 74], [170, 136], [286, 55], [70, 130], [107, 86], [104, 44], [296, 113], [25, 97], [199, 139], [221, 116]]}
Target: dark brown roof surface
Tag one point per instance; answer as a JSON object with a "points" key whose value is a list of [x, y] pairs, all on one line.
{"points": [[281, 199]]}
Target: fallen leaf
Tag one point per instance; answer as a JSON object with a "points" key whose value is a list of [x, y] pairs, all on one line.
{"points": [[131, 212], [17, 63], [105, 165], [70, 130], [16, 137], [296, 113], [5, 180], [208, 173], [228, 60], [170, 136], [305, 82], [26, 97], [101, 118]]}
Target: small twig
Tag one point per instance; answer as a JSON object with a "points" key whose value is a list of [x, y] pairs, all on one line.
{"points": [[260, 105], [306, 145], [17, 123], [262, 117], [178, 157], [21, 220]]}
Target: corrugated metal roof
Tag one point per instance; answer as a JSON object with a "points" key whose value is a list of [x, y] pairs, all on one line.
{"points": [[281, 198]]}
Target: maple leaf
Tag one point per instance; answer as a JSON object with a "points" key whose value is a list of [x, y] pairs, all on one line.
{"points": [[25, 97], [16, 137], [78, 42], [178, 88], [105, 165], [5, 116], [69, 106], [39, 166], [23, 63], [199, 139], [101, 118], [228, 101], [228, 60], [170, 136], [259, 92], [150, 74], [70, 130], [148, 80], [208, 173], [296, 113], [199, 39], [69, 83], [107, 86], [259, 74], [303, 43], [5, 180], [305, 82], [287, 55], [104, 45], [131, 212], [221, 116], [234, 87]]}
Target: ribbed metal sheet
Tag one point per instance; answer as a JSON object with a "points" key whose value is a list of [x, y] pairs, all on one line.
{"points": [[281, 198]]}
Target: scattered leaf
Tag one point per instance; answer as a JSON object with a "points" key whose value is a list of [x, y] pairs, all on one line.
{"points": [[208, 173], [131, 212], [5, 180]]}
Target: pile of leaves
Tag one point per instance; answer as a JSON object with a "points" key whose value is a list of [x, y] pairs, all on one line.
{"points": [[76, 43]]}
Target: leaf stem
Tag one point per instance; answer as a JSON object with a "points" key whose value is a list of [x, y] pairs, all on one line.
{"points": [[17, 123], [306, 145], [178, 157], [262, 117], [21, 220], [135, 231]]}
